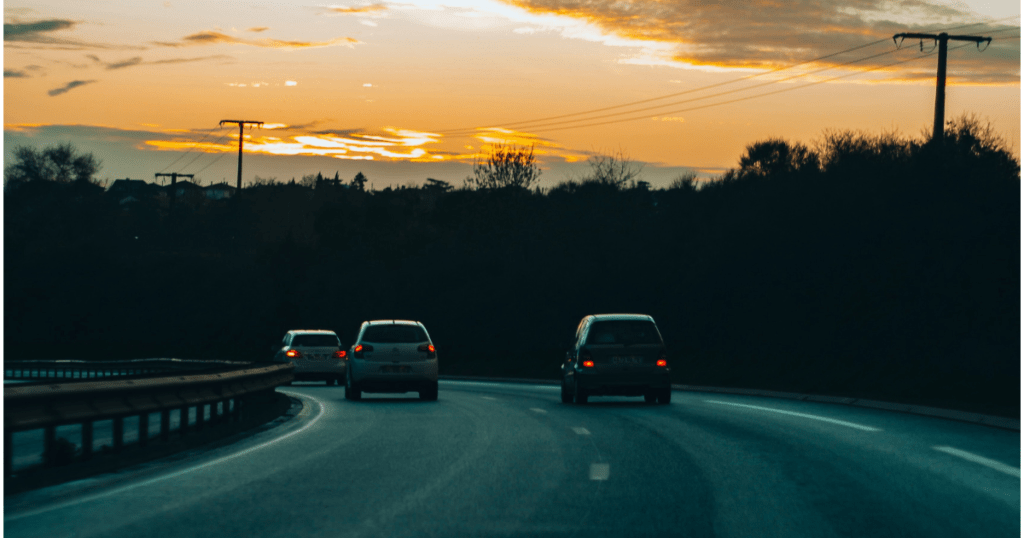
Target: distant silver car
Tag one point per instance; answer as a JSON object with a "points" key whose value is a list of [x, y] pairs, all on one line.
{"points": [[317, 355], [617, 355], [392, 356]]}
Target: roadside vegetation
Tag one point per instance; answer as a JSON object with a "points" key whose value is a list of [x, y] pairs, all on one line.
{"points": [[867, 265]]}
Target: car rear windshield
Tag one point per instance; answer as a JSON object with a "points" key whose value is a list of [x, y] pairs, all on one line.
{"points": [[316, 340], [627, 332], [394, 334]]}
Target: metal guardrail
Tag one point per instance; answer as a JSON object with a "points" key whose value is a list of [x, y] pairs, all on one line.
{"points": [[78, 369], [48, 405]]}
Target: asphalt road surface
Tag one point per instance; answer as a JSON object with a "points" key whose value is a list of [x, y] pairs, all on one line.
{"points": [[511, 460]]}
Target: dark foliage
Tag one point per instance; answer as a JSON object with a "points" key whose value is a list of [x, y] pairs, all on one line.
{"points": [[871, 266]]}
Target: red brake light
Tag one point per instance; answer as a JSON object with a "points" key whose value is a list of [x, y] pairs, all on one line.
{"points": [[588, 364], [430, 348], [294, 353], [359, 348], [662, 362], [340, 354]]}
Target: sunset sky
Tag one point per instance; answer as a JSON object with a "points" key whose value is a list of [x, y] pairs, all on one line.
{"points": [[403, 91]]}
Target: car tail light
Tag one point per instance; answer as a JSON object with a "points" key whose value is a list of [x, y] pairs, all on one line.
{"points": [[360, 349], [429, 349], [662, 362], [294, 353], [340, 354], [588, 364], [662, 359]]}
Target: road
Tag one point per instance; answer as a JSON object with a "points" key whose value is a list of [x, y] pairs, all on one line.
{"points": [[510, 460]]}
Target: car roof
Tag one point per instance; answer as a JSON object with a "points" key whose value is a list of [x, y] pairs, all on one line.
{"points": [[312, 331], [393, 322], [606, 317]]}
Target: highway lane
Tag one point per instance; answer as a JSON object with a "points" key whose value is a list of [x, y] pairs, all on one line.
{"points": [[510, 460]]}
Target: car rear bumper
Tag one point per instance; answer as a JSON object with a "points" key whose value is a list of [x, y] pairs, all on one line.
{"points": [[367, 375], [622, 384]]}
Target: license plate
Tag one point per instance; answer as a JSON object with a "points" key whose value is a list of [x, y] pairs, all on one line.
{"points": [[395, 369], [627, 359]]}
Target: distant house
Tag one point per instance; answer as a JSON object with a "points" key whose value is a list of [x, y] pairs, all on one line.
{"points": [[132, 190], [219, 191], [183, 189]]}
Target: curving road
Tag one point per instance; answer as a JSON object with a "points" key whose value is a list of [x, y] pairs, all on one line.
{"points": [[510, 460]]}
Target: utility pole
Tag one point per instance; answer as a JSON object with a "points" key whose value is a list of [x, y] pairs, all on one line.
{"points": [[241, 127], [174, 179], [938, 130]]}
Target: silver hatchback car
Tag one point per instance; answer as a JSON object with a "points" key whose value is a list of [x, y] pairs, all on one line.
{"points": [[317, 355], [392, 356]]}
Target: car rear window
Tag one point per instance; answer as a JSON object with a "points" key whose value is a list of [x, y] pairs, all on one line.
{"points": [[394, 334], [316, 340], [623, 332]]}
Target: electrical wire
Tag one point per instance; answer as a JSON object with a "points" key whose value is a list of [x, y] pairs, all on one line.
{"points": [[527, 123], [215, 142], [753, 96], [194, 146]]}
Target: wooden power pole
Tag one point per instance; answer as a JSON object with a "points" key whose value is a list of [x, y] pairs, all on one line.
{"points": [[938, 130], [241, 128], [174, 179]]}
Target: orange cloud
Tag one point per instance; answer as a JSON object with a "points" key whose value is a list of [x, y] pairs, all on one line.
{"points": [[215, 38], [357, 10]]}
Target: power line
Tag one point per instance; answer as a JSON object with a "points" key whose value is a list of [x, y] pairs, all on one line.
{"points": [[748, 97], [215, 142], [520, 124], [194, 146]]}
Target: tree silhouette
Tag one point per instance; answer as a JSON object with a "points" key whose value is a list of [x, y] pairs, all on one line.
{"points": [[507, 166], [62, 163], [359, 182]]}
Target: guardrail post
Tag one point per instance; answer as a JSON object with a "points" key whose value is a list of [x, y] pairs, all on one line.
{"points": [[183, 421], [86, 439], [118, 434], [8, 452], [143, 429], [165, 425]]}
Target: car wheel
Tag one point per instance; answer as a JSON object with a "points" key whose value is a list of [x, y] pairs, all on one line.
{"points": [[351, 392], [566, 395], [579, 395], [650, 397], [665, 397]]}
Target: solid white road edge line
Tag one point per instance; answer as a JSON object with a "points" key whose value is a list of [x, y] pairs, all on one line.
{"points": [[581, 430], [992, 464], [488, 398], [802, 415], [599, 471], [79, 500], [538, 410]]}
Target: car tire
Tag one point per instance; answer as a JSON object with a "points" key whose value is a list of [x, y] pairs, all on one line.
{"points": [[579, 395], [429, 394], [351, 391], [566, 395], [665, 397], [650, 397]]}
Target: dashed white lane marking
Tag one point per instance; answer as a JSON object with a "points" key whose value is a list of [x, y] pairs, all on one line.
{"points": [[538, 410], [303, 414], [599, 471], [581, 431], [801, 415], [488, 398], [993, 464]]}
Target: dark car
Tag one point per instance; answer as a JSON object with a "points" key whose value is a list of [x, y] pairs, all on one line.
{"points": [[617, 355]]}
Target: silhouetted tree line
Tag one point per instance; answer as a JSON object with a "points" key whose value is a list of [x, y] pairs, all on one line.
{"points": [[867, 265]]}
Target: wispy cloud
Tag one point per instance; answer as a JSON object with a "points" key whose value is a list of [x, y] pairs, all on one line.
{"points": [[68, 87], [10, 73], [215, 38], [136, 61], [50, 33], [258, 29], [357, 10], [742, 34]]}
